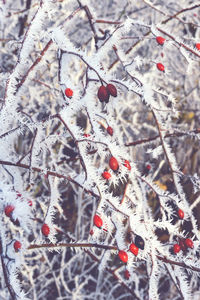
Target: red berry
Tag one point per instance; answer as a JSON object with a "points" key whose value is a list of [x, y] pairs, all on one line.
{"points": [[180, 214], [106, 175], [109, 130], [18, 194], [139, 242], [189, 243], [17, 245], [8, 210], [127, 164], [97, 221], [148, 167], [127, 274], [182, 244], [103, 94], [198, 46], [176, 248], [134, 249], [111, 90], [86, 134], [30, 203], [91, 232], [45, 230], [123, 256], [160, 67], [113, 163], [160, 40], [68, 93]]}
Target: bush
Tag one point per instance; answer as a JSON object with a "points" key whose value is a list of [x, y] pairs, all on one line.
{"points": [[99, 181]]}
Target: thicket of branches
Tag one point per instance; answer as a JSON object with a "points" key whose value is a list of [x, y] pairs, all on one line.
{"points": [[99, 149]]}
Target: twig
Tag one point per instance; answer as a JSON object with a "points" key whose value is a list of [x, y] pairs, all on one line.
{"points": [[51, 173], [31, 152], [71, 133], [107, 247], [73, 245], [5, 274], [174, 134]]}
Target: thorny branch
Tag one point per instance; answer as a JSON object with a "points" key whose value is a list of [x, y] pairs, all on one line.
{"points": [[58, 116]]}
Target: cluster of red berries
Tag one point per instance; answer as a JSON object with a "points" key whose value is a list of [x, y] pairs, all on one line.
{"points": [[183, 245], [114, 165], [134, 248], [8, 210], [104, 92], [160, 40]]}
